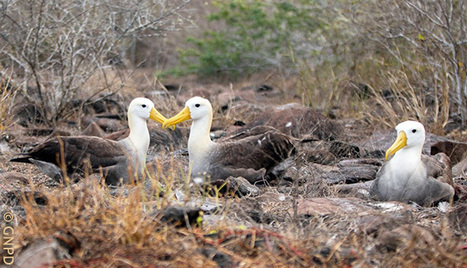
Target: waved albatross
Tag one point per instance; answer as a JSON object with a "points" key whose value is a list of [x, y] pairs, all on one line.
{"points": [[253, 157], [405, 176], [119, 161]]}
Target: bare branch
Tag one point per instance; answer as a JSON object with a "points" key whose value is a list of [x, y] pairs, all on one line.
{"points": [[57, 47]]}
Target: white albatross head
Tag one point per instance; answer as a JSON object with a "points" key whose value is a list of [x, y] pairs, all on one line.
{"points": [[196, 108], [410, 134], [144, 108]]}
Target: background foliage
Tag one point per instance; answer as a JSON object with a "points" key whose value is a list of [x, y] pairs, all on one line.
{"points": [[397, 59], [57, 49], [408, 55]]}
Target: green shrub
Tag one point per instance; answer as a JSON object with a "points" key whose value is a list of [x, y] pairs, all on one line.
{"points": [[258, 35], [413, 50]]}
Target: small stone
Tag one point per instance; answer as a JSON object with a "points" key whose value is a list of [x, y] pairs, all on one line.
{"points": [[42, 253]]}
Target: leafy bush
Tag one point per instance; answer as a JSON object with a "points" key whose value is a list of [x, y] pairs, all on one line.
{"points": [[415, 50], [255, 35]]}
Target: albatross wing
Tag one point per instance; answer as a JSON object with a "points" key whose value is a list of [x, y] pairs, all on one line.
{"points": [[424, 190], [262, 151], [78, 154]]}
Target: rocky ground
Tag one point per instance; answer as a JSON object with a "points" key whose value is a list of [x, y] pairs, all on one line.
{"points": [[317, 212]]}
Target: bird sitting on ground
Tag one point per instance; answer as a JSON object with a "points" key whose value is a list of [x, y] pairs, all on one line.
{"points": [[119, 161], [405, 177], [253, 157]]}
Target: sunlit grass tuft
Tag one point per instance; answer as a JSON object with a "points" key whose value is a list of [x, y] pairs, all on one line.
{"points": [[7, 91]]}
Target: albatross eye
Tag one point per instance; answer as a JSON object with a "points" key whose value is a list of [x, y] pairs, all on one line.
{"points": [[197, 105], [414, 130], [144, 105]]}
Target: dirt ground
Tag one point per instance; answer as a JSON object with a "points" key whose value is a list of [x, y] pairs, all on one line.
{"points": [[317, 213]]}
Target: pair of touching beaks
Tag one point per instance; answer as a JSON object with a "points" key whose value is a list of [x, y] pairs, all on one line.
{"points": [[171, 122]]}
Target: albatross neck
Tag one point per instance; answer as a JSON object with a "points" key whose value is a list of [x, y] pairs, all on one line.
{"points": [[199, 142], [139, 135], [408, 159]]}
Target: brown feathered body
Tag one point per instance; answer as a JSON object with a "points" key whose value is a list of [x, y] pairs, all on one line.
{"points": [[253, 156], [297, 120], [83, 155], [118, 161]]}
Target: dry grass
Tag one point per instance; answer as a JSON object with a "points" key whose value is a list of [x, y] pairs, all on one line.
{"points": [[397, 97], [323, 88], [123, 228], [126, 230], [7, 91], [110, 230]]}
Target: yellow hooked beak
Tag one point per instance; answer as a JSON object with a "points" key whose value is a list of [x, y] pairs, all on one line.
{"points": [[400, 143], [156, 116], [183, 115]]}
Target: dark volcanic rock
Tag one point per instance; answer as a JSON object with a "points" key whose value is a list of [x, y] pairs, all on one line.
{"points": [[439, 167], [297, 120], [13, 198], [359, 162], [460, 191], [460, 169], [360, 190], [28, 114], [344, 150], [167, 140], [107, 124], [46, 251], [222, 259], [38, 131], [178, 215], [375, 224], [457, 151], [236, 186], [322, 157], [405, 237], [351, 174], [263, 217]]}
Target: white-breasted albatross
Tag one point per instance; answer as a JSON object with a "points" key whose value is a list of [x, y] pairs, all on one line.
{"points": [[119, 161], [405, 176], [252, 157]]}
